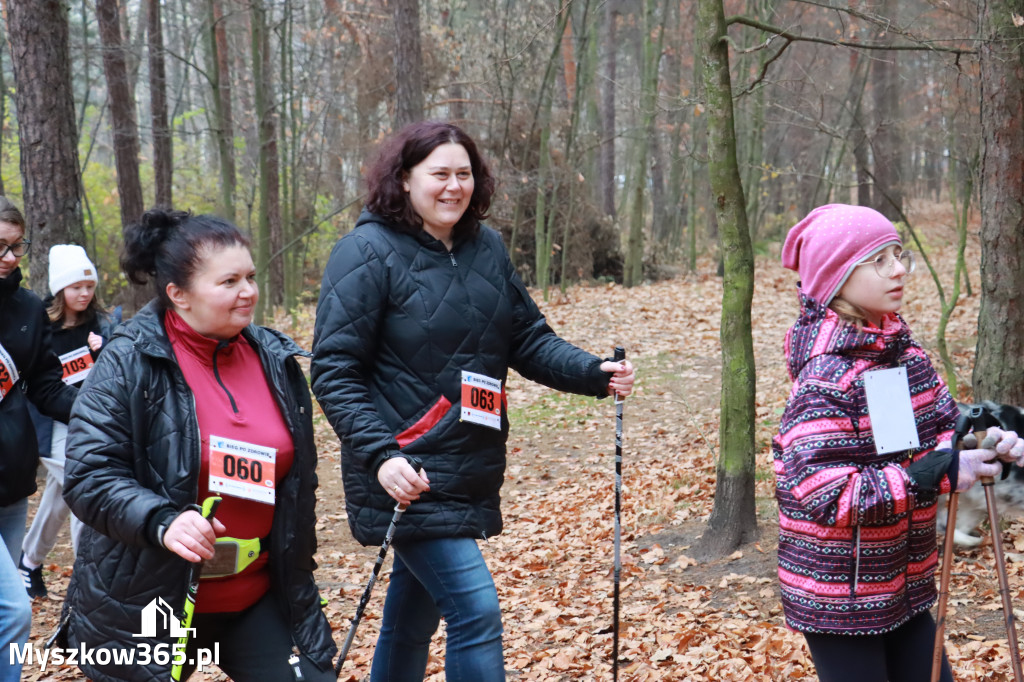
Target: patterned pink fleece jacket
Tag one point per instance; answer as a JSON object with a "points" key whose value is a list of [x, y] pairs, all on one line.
{"points": [[857, 550]]}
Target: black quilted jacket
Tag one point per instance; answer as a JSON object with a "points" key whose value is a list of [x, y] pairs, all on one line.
{"points": [[398, 320], [25, 334], [132, 454]]}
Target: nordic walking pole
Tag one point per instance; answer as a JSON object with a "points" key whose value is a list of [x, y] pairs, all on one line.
{"points": [[959, 431], [399, 510], [987, 482], [209, 508], [981, 419], [620, 355]]}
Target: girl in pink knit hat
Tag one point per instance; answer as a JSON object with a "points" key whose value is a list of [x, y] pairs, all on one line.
{"points": [[862, 454]]}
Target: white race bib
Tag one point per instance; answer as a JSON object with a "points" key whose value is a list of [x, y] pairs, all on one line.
{"points": [[242, 469], [481, 400], [890, 409], [8, 372]]}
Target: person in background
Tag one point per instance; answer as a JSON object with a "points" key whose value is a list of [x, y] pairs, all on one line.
{"points": [[29, 372], [421, 315], [857, 541], [189, 400], [79, 326]]}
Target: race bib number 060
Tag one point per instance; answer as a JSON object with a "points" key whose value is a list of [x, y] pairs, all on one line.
{"points": [[242, 469], [481, 400]]}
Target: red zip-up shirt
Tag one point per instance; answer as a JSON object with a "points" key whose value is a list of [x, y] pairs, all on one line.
{"points": [[233, 400]]}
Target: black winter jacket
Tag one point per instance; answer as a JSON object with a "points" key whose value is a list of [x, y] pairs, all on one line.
{"points": [[399, 318], [25, 333], [133, 455]]}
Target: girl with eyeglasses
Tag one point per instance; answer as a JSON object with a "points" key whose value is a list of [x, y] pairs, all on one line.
{"points": [[29, 371], [857, 540]]}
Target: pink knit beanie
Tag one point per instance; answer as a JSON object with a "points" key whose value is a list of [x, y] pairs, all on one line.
{"points": [[825, 246]]}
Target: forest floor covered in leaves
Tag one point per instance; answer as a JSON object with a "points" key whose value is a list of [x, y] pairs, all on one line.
{"points": [[682, 618]]}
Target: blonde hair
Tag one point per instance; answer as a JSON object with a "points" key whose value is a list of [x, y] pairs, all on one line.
{"points": [[848, 312]]}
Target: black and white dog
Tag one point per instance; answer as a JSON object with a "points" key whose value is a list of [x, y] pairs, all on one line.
{"points": [[971, 508]]}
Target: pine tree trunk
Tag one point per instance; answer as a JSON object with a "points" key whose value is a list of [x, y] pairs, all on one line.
{"points": [[163, 154], [607, 165], [220, 82], [888, 143], [408, 62], [999, 366], [51, 192], [733, 519], [122, 112]]}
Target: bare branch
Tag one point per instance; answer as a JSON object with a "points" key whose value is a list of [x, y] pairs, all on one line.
{"points": [[929, 46]]}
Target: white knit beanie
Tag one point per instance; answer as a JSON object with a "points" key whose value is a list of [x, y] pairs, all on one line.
{"points": [[69, 264]]}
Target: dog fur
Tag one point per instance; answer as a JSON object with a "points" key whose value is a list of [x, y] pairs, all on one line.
{"points": [[972, 509]]}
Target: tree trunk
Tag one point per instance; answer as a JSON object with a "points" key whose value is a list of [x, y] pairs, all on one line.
{"points": [[51, 181], [650, 58], [888, 142], [607, 166], [220, 83], [999, 366], [408, 63], [122, 112], [163, 155], [733, 519]]}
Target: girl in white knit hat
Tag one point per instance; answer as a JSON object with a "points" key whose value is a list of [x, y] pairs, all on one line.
{"points": [[79, 325]]}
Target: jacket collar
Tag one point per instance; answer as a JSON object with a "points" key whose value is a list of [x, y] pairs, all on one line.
{"points": [[146, 330], [820, 331], [10, 284]]}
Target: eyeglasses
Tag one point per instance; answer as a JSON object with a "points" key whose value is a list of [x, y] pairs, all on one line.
{"points": [[19, 249], [885, 263]]}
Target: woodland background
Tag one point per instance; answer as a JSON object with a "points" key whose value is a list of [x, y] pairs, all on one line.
{"points": [[641, 143]]}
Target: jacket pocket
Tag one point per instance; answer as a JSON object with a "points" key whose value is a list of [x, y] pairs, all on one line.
{"points": [[428, 421]]}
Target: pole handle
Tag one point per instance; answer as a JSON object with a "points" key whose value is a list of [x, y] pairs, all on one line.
{"points": [[620, 354]]}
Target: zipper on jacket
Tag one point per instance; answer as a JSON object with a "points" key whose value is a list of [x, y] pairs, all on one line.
{"points": [[452, 256], [856, 561], [220, 346], [293, 663]]}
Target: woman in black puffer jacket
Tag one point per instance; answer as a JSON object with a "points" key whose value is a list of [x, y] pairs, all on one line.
{"points": [[421, 315], [181, 387]]}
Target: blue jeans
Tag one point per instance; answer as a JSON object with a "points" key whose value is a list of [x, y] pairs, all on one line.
{"points": [[431, 579], [15, 606]]}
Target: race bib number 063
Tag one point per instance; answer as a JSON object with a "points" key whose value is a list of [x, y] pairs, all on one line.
{"points": [[481, 400]]}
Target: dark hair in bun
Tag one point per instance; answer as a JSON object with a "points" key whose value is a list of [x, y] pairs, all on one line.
{"points": [[165, 245]]}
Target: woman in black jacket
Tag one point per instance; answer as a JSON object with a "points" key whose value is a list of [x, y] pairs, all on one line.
{"points": [[187, 396], [29, 371], [421, 314]]}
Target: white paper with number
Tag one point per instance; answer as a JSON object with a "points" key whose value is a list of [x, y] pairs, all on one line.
{"points": [[890, 409]]}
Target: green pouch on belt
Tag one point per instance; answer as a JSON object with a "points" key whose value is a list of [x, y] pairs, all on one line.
{"points": [[231, 556]]}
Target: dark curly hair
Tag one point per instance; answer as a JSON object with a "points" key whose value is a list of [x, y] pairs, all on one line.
{"points": [[398, 155], [164, 246]]}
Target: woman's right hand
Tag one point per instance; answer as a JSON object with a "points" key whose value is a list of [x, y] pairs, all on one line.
{"points": [[402, 481], [191, 536]]}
